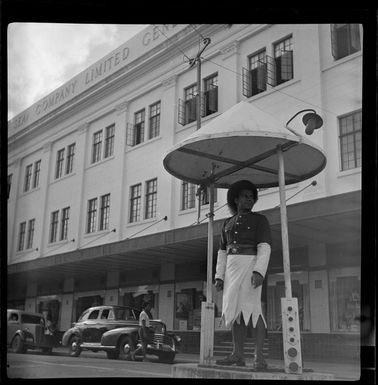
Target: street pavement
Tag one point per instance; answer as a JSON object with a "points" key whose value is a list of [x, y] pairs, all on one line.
{"points": [[341, 371]]}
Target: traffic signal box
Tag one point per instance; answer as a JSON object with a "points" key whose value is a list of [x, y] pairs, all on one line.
{"points": [[291, 336]]}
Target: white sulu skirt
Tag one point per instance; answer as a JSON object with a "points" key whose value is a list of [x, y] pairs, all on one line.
{"points": [[239, 296]]}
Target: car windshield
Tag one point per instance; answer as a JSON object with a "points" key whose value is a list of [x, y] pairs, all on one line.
{"points": [[123, 314], [31, 319]]}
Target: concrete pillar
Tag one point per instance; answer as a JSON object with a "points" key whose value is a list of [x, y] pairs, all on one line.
{"points": [[318, 290], [167, 294], [31, 297], [66, 312], [112, 291]]}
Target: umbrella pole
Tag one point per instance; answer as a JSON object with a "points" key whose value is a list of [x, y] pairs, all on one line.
{"points": [[207, 309], [289, 306]]}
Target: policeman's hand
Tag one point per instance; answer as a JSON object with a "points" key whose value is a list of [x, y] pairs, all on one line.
{"points": [[257, 279], [219, 284]]}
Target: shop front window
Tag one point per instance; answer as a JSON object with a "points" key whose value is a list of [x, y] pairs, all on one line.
{"points": [[188, 309], [345, 304], [136, 300]]}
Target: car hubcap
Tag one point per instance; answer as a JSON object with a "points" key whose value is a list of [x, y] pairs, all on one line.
{"points": [[126, 348], [74, 346]]}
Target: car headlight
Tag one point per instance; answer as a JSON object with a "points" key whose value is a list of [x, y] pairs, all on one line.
{"points": [[177, 338], [163, 330]]}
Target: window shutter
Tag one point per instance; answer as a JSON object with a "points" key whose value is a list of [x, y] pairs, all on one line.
{"points": [[213, 99], [270, 71], [355, 37], [181, 112], [261, 77], [334, 42], [246, 80]]}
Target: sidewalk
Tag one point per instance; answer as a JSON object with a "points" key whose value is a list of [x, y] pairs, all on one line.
{"points": [[341, 371]]}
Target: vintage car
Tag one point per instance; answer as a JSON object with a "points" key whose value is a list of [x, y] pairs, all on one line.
{"points": [[26, 330], [114, 329]]}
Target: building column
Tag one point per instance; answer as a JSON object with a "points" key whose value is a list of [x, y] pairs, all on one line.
{"points": [[112, 288], [230, 58], [31, 297], [170, 102], [82, 146], [67, 304], [319, 290], [44, 181], [12, 207], [167, 294], [119, 200]]}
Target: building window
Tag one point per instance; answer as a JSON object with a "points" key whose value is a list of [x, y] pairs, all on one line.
{"points": [[104, 211], [70, 158], [97, 145], [345, 40], [29, 242], [154, 129], [205, 196], [258, 73], [350, 128], [28, 174], [37, 170], [139, 127], [54, 226], [283, 58], [21, 236], [109, 141], [190, 100], [345, 303], [64, 223], [59, 164], [151, 198], [92, 213], [210, 100], [135, 202], [188, 196], [9, 184]]}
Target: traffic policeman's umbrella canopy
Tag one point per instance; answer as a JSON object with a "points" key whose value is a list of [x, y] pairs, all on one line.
{"points": [[242, 143]]}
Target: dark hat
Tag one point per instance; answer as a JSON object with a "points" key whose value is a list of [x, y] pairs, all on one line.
{"points": [[234, 190]]}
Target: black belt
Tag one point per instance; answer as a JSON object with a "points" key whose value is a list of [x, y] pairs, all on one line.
{"points": [[241, 249]]}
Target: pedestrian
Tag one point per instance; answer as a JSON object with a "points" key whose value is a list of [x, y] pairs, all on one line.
{"points": [[144, 331], [243, 258]]}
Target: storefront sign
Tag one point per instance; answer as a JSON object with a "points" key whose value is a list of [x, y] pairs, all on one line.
{"points": [[124, 55]]}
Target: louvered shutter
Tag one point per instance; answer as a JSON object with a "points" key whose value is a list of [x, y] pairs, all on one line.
{"points": [[335, 53], [181, 112], [246, 82]]}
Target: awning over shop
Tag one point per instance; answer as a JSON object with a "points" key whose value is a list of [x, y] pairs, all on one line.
{"points": [[328, 220]]}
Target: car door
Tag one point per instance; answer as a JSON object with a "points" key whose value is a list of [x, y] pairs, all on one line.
{"points": [[90, 325], [13, 324]]}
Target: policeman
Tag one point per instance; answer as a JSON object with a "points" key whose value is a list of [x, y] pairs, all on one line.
{"points": [[243, 258]]}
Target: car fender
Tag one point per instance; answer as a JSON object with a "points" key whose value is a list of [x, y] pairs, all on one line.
{"points": [[68, 334], [111, 337]]}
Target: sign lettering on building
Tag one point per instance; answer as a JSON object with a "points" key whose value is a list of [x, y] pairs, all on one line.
{"points": [[123, 55]]}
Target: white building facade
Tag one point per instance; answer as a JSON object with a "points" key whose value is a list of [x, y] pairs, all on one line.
{"points": [[93, 217]]}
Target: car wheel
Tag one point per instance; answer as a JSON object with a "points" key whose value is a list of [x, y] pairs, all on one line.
{"points": [[47, 350], [74, 349], [167, 357], [17, 345], [112, 354], [126, 346]]}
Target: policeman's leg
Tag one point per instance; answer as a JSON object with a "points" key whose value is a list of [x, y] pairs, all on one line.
{"points": [[239, 334], [260, 337]]}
